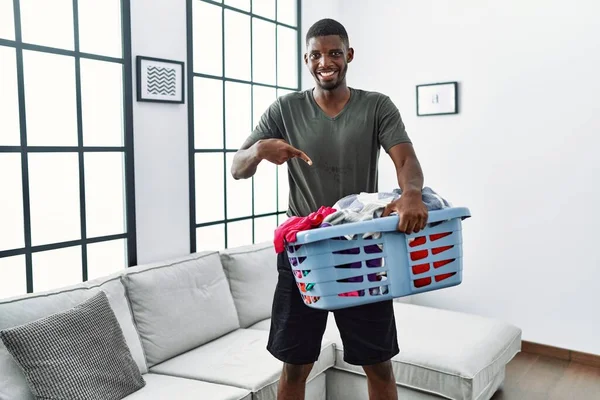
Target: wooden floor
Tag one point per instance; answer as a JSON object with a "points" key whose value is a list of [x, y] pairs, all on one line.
{"points": [[533, 377]]}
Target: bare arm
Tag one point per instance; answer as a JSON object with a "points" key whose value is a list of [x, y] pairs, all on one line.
{"points": [[410, 208], [245, 160], [277, 151], [408, 168]]}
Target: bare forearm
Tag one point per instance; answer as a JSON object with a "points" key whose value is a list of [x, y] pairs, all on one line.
{"points": [[410, 176], [245, 163]]}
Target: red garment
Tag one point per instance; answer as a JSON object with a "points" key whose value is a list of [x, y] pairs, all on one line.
{"points": [[287, 231]]}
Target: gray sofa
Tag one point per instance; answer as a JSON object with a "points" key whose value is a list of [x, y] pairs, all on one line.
{"points": [[197, 328]]}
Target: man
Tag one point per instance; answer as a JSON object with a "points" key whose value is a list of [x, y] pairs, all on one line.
{"points": [[330, 138]]}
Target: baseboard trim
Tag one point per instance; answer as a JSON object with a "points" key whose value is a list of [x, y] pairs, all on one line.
{"points": [[562, 354]]}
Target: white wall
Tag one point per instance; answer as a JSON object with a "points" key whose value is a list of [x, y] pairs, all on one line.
{"points": [[158, 29], [521, 154]]}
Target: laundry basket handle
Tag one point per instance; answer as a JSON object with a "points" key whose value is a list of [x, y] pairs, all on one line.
{"points": [[384, 224]]}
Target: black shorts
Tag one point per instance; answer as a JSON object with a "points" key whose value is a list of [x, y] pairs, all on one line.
{"points": [[368, 332]]}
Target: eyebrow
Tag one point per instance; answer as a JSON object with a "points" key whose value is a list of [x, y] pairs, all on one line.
{"points": [[330, 51]]}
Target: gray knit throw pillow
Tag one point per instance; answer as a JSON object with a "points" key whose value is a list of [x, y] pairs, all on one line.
{"points": [[76, 354]]}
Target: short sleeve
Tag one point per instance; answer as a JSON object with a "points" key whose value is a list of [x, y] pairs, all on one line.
{"points": [[391, 130], [270, 125]]}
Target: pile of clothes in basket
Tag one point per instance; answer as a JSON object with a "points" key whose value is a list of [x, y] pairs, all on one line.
{"points": [[352, 208]]}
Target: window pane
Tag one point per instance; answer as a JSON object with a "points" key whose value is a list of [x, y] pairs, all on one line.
{"points": [[281, 218], [56, 268], [239, 233], [208, 113], [263, 49], [104, 194], [239, 194], [238, 113], [209, 188], [11, 202], [265, 189], [266, 8], [54, 197], [100, 27], [102, 103], [210, 238], [241, 4], [14, 280], [283, 92], [48, 23], [287, 57], [208, 43], [50, 100], [287, 12], [264, 229], [7, 20], [9, 100], [263, 98], [283, 187], [104, 258], [237, 45]]}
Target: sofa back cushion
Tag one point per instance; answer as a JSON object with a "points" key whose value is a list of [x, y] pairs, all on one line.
{"points": [[252, 274], [24, 309], [180, 304]]}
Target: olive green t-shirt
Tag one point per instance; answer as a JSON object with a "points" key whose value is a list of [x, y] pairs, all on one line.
{"points": [[344, 149]]}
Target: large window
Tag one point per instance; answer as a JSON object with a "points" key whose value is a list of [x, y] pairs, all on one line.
{"points": [[243, 55], [66, 178]]}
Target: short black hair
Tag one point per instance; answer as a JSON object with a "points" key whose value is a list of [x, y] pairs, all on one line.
{"points": [[326, 27]]}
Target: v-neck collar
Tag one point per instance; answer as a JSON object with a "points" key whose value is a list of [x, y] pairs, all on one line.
{"points": [[323, 113]]}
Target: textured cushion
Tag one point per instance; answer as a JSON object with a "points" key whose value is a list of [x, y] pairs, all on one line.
{"points": [[161, 387], [24, 309], [252, 274], [452, 354], [238, 359], [79, 353], [180, 305]]}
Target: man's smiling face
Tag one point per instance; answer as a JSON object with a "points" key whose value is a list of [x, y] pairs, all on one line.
{"points": [[327, 58]]}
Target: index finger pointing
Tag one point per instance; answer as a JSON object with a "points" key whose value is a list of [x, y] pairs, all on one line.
{"points": [[303, 156]]}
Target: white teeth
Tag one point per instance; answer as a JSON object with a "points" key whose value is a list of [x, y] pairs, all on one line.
{"points": [[327, 73]]}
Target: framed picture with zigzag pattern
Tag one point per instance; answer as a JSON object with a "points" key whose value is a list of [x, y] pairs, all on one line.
{"points": [[159, 80]]}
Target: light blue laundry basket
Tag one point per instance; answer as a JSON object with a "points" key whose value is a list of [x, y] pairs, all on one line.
{"points": [[335, 267]]}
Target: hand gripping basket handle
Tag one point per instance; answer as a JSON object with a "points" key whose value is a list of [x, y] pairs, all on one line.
{"points": [[384, 224]]}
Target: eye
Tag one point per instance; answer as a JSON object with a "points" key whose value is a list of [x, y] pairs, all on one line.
{"points": [[315, 56]]}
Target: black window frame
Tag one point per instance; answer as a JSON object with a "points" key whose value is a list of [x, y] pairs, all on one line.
{"points": [[224, 150], [24, 150]]}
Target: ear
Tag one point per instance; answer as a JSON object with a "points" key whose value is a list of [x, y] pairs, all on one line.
{"points": [[306, 58], [350, 55]]}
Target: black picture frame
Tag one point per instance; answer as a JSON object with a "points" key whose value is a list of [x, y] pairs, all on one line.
{"points": [[443, 95], [167, 83]]}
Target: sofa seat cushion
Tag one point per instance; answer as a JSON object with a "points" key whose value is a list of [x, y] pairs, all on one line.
{"points": [[160, 387], [180, 304], [343, 385], [239, 359], [452, 354], [264, 325]]}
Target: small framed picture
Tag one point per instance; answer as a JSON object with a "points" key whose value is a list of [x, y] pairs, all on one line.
{"points": [[437, 99], [159, 80]]}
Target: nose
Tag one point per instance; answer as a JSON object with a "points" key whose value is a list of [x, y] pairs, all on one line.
{"points": [[325, 61]]}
